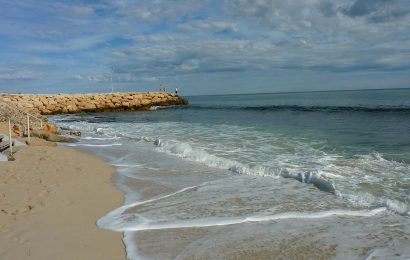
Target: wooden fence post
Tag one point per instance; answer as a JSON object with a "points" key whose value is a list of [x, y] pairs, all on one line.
{"points": [[10, 141], [28, 128]]}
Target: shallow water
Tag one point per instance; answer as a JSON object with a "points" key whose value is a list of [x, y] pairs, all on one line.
{"points": [[260, 176]]}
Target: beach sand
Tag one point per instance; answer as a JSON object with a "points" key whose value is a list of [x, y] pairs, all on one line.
{"points": [[50, 199]]}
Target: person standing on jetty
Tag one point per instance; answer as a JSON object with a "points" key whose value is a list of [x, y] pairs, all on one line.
{"points": [[176, 90]]}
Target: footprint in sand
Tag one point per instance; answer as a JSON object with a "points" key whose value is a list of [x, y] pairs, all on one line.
{"points": [[26, 209]]}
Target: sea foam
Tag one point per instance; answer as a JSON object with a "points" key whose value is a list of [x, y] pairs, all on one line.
{"points": [[186, 151], [95, 145], [119, 221]]}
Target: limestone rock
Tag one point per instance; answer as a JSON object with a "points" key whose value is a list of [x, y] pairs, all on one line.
{"points": [[75, 133], [52, 137], [50, 128], [18, 130]]}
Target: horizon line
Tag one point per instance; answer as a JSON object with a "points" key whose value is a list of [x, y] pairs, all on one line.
{"points": [[292, 92]]}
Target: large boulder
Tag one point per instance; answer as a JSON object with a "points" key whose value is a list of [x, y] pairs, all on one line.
{"points": [[50, 128]]}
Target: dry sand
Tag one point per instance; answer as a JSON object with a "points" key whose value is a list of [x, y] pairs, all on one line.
{"points": [[50, 199]]}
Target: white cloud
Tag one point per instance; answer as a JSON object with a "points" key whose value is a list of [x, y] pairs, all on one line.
{"points": [[209, 25], [75, 43], [15, 74], [150, 79], [79, 77], [153, 11]]}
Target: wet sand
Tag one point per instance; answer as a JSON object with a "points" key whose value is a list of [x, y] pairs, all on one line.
{"points": [[50, 199]]}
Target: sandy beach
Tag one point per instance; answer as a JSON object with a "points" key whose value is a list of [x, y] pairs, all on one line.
{"points": [[50, 199]]}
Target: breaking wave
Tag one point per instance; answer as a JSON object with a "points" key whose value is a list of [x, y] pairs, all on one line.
{"points": [[324, 181]]}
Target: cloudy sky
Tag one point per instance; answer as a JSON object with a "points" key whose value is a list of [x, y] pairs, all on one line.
{"points": [[203, 47]]}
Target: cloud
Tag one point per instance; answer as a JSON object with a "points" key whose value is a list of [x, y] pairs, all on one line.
{"points": [[16, 74], [365, 7], [285, 15], [144, 41], [75, 43], [92, 78], [378, 10], [195, 56], [210, 25], [160, 10], [116, 78], [150, 79]]}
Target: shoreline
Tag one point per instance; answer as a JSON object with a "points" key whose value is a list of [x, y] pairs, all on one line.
{"points": [[51, 198]]}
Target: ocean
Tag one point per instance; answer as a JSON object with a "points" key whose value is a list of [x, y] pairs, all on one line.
{"points": [[312, 175]]}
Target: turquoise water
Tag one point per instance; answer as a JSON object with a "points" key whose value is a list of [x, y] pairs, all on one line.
{"points": [[234, 159]]}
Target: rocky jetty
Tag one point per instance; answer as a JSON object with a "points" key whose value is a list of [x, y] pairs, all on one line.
{"points": [[86, 103]]}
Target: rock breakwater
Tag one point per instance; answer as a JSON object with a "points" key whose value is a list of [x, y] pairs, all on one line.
{"points": [[46, 104]]}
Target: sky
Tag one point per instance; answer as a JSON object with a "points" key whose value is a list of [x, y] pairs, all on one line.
{"points": [[203, 47]]}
